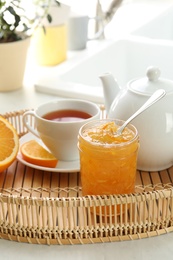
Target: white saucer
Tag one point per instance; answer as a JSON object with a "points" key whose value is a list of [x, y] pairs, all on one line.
{"points": [[62, 166]]}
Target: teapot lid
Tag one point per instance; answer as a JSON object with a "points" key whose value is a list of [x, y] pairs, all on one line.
{"points": [[149, 84]]}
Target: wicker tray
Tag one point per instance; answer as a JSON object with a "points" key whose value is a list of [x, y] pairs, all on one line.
{"points": [[47, 207]]}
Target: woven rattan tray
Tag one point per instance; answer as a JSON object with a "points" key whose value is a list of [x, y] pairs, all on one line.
{"points": [[47, 207]]}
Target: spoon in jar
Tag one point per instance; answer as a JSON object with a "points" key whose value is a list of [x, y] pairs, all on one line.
{"points": [[156, 96]]}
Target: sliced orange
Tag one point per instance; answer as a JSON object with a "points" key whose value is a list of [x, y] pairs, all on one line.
{"points": [[9, 144], [34, 153]]}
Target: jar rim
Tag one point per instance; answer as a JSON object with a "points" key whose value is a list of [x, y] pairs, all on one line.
{"points": [[118, 122]]}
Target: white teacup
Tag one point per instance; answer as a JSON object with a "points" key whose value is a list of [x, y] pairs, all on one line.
{"points": [[60, 137]]}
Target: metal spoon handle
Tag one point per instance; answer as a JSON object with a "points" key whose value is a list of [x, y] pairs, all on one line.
{"points": [[156, 96]]}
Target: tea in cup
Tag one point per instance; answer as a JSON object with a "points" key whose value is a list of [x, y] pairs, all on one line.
{"points": [[58, 123]]}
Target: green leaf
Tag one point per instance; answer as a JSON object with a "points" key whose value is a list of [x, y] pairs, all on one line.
{"points": [[44, 29], [57, 2], [17, 20], [49, 18], [26, 28], [11, 10]]}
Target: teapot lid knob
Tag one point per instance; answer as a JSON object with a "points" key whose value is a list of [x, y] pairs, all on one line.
{"points": [[153, 73], [150, 83]]}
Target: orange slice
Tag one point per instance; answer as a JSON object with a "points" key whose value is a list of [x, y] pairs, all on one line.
{"points": [[34, 153], [9, 144]]}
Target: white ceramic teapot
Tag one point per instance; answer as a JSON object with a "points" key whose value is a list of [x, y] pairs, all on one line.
{"points": [[155, 125]]}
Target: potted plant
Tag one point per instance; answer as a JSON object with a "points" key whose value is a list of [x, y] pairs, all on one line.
{"points": [[18, 20]]}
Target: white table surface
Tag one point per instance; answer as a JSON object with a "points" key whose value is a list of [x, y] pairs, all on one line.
{"points": [[160, 247]]}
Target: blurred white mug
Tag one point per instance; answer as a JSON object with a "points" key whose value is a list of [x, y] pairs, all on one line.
{"points": [[78, 31]]}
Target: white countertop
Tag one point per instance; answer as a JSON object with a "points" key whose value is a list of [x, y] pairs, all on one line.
{"points": [[151, 248], [159, 248]]}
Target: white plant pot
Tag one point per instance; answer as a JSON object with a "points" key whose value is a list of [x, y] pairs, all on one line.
{"points": [[12, 64]]}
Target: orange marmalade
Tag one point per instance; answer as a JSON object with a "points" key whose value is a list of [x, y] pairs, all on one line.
{"points": [[107, 161]]}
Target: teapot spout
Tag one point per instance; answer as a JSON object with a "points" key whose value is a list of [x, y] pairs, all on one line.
{"points": [[110, 89]]}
